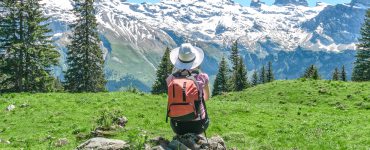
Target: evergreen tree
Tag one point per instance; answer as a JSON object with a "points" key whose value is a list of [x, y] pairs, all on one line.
{"points": [[240, 76], [311, 73], [29, 54], [361, 70], [254, 78], [85, 58], [316, 75], [343, 74], [220, 84], [270, 74], [263, 76], [335, 75], [234, 57], [164, 69]]}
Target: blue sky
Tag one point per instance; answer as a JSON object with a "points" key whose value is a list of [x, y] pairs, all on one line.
{"points": [[247, 2]]}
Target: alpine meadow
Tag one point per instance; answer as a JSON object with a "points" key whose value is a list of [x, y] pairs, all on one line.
{"points": [[184, 74]]}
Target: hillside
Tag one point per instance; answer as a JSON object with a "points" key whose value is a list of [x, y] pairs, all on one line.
{"points": [[293, 114]]}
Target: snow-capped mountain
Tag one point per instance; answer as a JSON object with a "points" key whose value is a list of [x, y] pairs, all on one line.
{"points": [[291, 2], [289, 33]]}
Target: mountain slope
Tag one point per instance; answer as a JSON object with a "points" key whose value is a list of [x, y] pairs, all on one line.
{"points": [[300, 114], [135, 35]]}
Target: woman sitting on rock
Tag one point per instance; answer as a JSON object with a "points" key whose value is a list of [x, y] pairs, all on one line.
{"points": [[187, 91]]}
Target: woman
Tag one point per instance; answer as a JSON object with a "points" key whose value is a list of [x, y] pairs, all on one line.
{"points": [[186, 60]]}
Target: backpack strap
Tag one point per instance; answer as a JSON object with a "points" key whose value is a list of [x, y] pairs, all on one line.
{"points": [[205, 107], [200, 95], [179, 73], [168, 111]]}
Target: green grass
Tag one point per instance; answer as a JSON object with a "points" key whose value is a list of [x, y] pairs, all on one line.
{"points": [[296, 114]]}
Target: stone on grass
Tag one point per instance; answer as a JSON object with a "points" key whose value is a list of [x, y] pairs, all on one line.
{"points": [[190, 141], [24, 105], [103, 133], [61, 142], [10, 107], [216, 143], [157, 148], [176, 145], [100, 143], [159, 141], [121, 121]]}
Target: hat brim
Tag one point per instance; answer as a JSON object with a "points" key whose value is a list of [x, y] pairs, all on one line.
{"points": [[199, 56]]}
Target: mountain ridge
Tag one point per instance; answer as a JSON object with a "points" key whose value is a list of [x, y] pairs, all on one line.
{"points": [[137, 34]]}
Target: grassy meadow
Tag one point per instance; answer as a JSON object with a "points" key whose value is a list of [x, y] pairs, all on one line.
{"points": [[293, 114]]}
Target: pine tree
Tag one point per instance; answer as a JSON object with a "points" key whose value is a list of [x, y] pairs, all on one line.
{"points": [[254, 78], [316, 75], [85, 58], [8, 29], [164, 69], [343, 74], [361, 70], [240, 76], [220, 84], [335, 75], [263, 77], [311, 73], [234, 57], [270, 74], [29, 54]]}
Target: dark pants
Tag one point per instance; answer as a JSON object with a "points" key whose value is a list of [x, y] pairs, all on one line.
{"points": [[183, 127]]}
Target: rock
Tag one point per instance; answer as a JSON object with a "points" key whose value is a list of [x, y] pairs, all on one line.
{"points": [[122, 121], [158, 148], [323, 91], [256, 3], [10, 107], [147, 146], [189, 141], [99, 143], [24, 105], [103, 133], [81, 136], [159, 141], [61, 142], [216, 143], [176, 145]]}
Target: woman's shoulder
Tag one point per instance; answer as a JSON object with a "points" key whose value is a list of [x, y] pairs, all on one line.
{"points": [[201, 74], [169, 78]]}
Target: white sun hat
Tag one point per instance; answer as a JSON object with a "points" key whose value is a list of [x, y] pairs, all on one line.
{"points": [[186, 56]]}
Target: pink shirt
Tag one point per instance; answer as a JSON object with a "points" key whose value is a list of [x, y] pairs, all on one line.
{"points": [[202, 80]]}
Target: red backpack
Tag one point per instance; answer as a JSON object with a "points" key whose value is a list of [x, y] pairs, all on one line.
{"points": [[183, 98]]}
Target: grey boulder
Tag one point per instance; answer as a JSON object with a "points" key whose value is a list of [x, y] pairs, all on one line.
{"points": [[100, 143], [10, 107]]}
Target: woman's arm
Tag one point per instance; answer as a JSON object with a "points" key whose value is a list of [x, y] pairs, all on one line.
{"points": [[206, 92]]}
